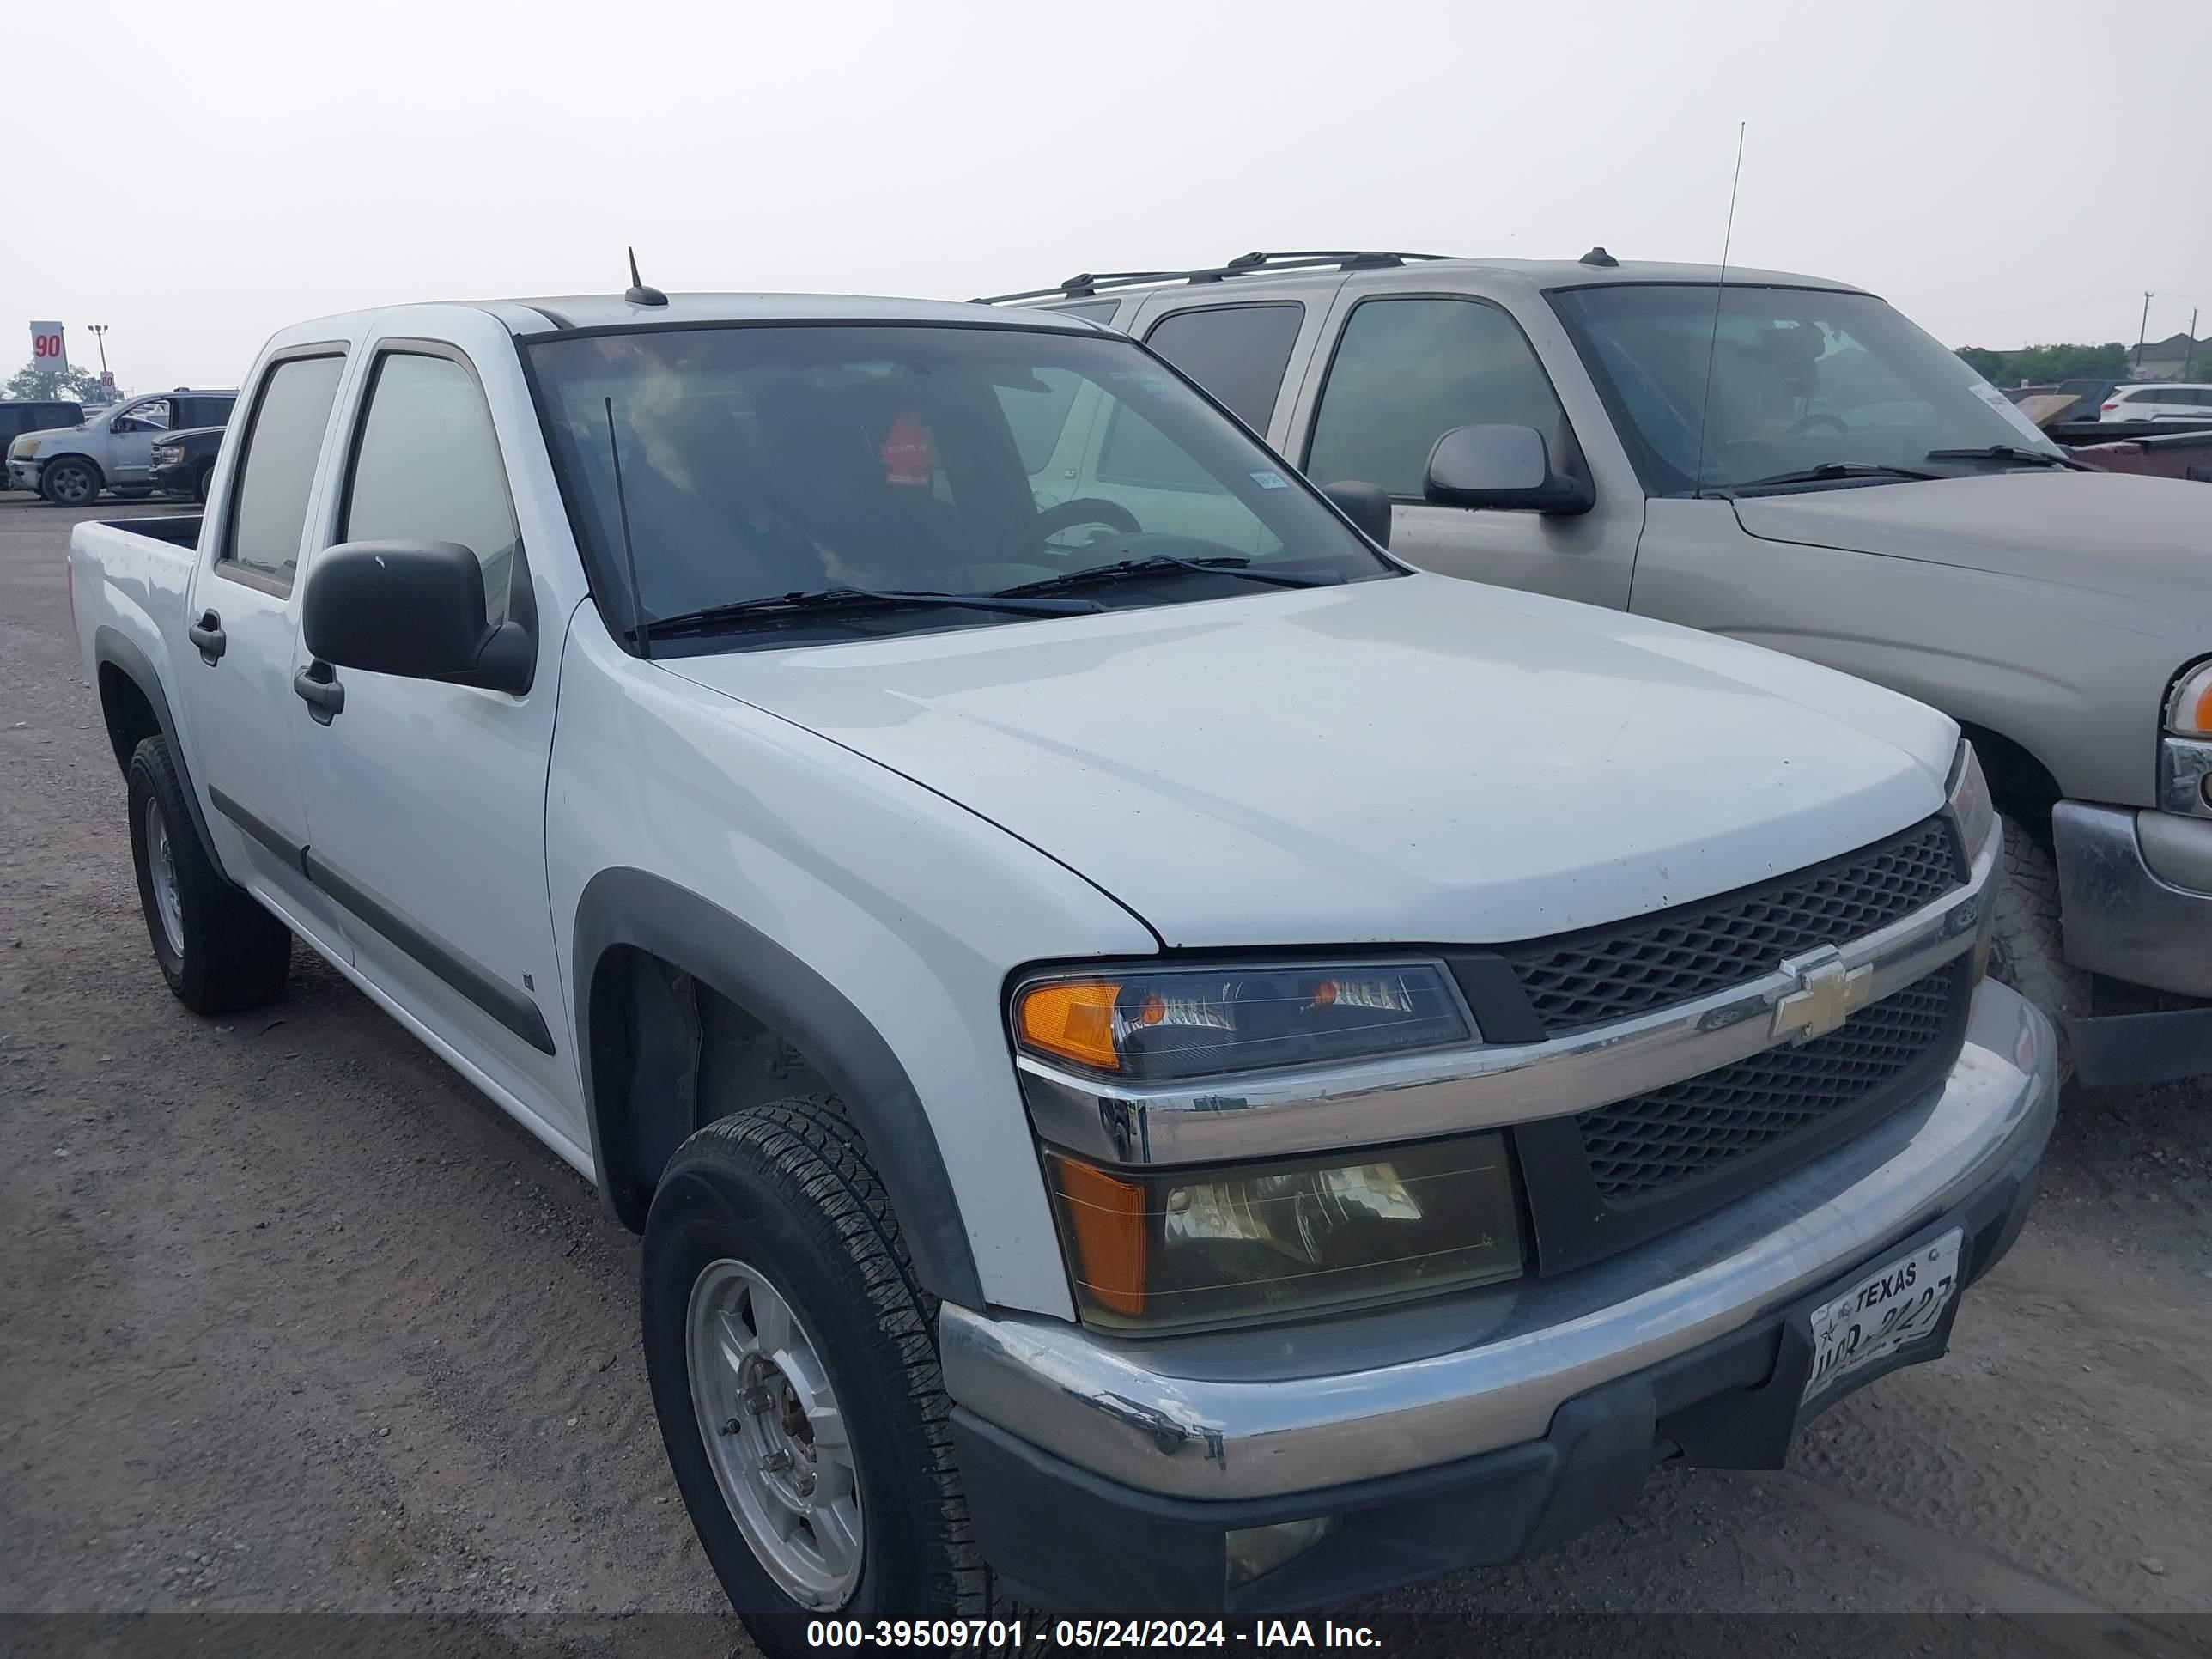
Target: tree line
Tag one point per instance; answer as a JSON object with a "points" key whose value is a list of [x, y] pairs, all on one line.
{"points": [[2047, 364]]}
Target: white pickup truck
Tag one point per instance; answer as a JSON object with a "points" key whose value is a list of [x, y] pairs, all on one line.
{"points": [[1200, 1069]]}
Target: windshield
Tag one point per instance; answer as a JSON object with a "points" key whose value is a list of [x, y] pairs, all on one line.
{"points": [[1801, 378], [758, 461]]}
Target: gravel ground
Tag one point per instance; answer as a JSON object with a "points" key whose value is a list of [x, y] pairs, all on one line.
{"points": [[291, 1320]]}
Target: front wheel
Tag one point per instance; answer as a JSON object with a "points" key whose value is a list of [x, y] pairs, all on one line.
{"points": [[2027, 941], [200, 482], [70, 482], [793, 1366]]}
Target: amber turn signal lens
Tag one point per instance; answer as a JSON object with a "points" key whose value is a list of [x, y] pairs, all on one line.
{"points": [[1106, 1225], [1074, 1018]]}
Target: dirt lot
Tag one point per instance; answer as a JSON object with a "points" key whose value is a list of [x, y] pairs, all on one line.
{"points": [[290, 1319]]}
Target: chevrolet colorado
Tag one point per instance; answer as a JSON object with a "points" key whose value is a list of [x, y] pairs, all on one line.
{"points": [[1164, 1060]]}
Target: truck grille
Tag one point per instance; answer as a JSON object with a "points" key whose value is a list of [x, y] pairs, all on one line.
{"points": [[1638, 1146], [1612, 973]]}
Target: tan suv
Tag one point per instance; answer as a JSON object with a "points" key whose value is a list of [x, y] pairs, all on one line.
{"points": [[1783, 459]]}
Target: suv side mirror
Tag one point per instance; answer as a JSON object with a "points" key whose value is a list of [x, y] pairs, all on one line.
{"points": [[1506, 466], [1366, 506], [414, 608]]}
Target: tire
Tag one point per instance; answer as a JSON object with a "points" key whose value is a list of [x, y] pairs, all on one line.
{"points": [[218, 948], [785, 1191], [200, 482], [2027, 945], [69, 482]]}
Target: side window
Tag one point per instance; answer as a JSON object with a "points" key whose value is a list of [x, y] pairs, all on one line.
{"points": [[427, 468], [151, 415], [202, 411], [1037, 414], [1238, 353], [277, 471], [1406, 372]]}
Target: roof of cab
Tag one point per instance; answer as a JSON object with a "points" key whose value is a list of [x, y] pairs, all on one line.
{"points": [[612, 311]]}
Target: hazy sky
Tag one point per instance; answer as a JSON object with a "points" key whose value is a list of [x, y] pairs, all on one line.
{"points": [[198, 176]]}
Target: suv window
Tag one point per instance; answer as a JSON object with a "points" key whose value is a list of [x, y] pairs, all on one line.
{"points": [[1238, 353], [1407, 371], [202, 411], [427, 468], [151, 415], [276, 473]]}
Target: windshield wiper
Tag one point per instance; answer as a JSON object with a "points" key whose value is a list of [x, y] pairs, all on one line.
{"points": [[1155, 563], [781, 605], [1826, 472], [2011, 453]]}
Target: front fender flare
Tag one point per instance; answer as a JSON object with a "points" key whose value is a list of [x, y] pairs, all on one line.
{"points": [[623, 906]]}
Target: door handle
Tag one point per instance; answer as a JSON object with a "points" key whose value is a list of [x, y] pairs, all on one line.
{"points": [[318, 688], [207, 634]]}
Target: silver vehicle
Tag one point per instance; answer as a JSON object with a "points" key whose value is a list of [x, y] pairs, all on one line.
{"points": [[1782, 459]]}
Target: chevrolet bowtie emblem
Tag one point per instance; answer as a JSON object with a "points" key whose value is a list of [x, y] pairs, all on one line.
{"points": [[1827, 993]]}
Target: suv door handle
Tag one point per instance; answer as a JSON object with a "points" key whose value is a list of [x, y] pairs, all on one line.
{"points": [[318, 686], [207, 634]]}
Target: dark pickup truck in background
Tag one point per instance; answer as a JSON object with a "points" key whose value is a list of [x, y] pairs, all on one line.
{"points": [[183, 461]]}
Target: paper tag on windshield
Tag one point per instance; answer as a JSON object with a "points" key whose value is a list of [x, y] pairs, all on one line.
{"points": [[2005, 406], [1271, 481], [909, 453]]}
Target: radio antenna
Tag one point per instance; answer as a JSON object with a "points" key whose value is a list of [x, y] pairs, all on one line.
{"points": [[639, 294], [1712, 345], [630, 552]]}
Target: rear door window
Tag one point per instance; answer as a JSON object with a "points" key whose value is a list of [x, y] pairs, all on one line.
{"points": [[276, 469], [1238, 353]]}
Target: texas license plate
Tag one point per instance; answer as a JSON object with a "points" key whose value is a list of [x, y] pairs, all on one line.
{"points": [[1899, 1303]]}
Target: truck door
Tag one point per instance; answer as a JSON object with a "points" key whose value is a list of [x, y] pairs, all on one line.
{"points": [[130, 437], [1404, 368], [426, 802], [235, 670]]}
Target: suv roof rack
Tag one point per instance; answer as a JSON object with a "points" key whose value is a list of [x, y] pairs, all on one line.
{"points": [[1088, 284]]}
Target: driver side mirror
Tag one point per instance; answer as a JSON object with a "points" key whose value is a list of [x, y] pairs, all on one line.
{"points": [[1502, 466], [413, 609]]}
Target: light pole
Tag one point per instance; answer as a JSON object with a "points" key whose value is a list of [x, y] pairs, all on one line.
{"points": [[100, 334]]}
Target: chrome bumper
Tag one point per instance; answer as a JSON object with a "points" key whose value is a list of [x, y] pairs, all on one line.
{"points": [[23, 474], [1273, 1410], [2127, 888]]}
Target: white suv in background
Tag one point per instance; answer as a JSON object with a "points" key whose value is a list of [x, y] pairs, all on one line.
{"points": [[2158, 403], [111, 449]]}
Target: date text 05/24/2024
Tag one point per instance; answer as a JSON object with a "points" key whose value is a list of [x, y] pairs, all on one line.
{"points": [[995, 1635]]}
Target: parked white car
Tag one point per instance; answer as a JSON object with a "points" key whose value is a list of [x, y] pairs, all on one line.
{"points": [[2158, 401], [110, 448], [1211, 1080]]}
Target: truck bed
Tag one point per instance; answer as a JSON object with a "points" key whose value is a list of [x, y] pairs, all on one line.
{"points": [[130, 578]]}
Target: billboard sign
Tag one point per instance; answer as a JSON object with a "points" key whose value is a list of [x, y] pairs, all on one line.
{"points": [[47, 349]]}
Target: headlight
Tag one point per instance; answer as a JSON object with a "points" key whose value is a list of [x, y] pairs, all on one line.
{"points": [[22, 449], [1971, 807], [167, 455], [1148, 1025], [1155, 1249], [2189, 710]]}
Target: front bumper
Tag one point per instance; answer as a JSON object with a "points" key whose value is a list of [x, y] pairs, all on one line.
{"points": [[2127, 913], [2136, 896], [177, 479], [22, 475], [1476, 1429]]}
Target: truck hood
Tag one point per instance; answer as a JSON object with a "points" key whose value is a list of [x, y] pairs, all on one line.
{"points": [[1417, 759], [2128, 536]]}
